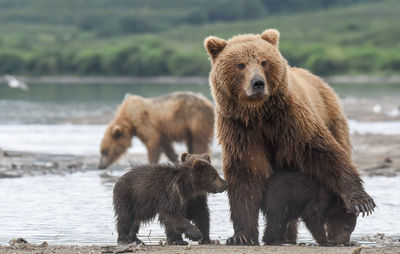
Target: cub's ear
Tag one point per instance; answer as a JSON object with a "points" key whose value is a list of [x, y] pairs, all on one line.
{"points": [[214, 46], [116, 131], [206, 156], [183, 157], [199, 164], [271, 35]]}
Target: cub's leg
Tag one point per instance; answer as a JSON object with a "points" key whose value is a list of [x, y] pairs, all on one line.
{"points": [[127, 231], [198, 212], [291, 232], [315, 224], [180, 225], [274, 233], [174, 237]]}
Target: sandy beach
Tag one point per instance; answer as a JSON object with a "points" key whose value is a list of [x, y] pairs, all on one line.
{"points": [[195, 249]]}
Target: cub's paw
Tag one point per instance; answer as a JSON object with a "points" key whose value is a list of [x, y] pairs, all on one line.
{"points": [[329, 244], [178, 242], [209, 242], [359, 202], [241, 240], [193, 234]]}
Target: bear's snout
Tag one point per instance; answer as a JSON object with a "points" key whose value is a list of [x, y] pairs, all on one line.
{"points": [[222, 186], [104, 162], [257, 86]]}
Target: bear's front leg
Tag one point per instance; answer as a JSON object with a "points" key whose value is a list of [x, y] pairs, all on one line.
{"points": [[324, 159], [245, 197], [180, 224], [197, 211]]}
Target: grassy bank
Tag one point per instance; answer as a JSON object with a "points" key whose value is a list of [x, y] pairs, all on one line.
{"points": [[355, 39]]}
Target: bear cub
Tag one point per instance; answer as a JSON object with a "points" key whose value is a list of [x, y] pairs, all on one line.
{"points": [[292, 195], [176, 192]]}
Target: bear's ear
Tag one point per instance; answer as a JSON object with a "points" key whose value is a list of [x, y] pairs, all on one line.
{"points": [[116, 131], [183, 157], [199, 164], [271, 35], [214, 46], [206, 156]]}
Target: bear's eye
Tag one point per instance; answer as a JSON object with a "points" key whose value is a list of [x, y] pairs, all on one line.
{"points": [[104, 152], [241, 66], [264, 63]]}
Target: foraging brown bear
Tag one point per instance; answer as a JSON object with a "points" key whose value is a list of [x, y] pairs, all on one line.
{"points": [[157, 122], [322, 211], [177, 193], [271, 116]]}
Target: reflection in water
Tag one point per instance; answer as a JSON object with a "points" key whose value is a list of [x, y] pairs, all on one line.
{"points": [[77, 209]]}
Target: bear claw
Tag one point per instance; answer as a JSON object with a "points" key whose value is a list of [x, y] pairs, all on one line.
{"points": [[241, 240], [361, 204], [194, 234]]}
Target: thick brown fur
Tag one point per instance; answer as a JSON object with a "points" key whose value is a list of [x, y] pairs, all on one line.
{"points": [[270, 116], [177, 193], [292, 195], [157, 122]]}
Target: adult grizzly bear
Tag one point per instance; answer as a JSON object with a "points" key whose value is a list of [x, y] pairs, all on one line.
{"points": [[270, 116], [157, 122]]}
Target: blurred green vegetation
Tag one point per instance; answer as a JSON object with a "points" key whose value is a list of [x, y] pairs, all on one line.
{"points": [[157, 37]]}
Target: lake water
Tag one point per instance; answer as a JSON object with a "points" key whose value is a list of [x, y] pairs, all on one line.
{"points": [[77, 208]]}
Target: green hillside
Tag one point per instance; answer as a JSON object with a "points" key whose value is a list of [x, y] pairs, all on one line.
{"points": [[107, 38]]}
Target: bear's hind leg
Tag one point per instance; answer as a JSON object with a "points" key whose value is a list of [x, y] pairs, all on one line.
{"points": [[127, 231]]}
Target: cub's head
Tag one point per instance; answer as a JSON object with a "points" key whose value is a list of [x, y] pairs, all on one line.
{"points": [[116, 140], [246, 69], [206, 178], [339, 225]]}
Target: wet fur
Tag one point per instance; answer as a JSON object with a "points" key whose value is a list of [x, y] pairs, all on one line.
{"points": [[299, 124], [307, 199], [177, 193], [157, 122]]}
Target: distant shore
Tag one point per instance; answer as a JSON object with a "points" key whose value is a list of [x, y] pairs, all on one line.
{"points": [[112, 80]]}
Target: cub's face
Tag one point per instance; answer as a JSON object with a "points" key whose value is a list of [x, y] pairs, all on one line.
{"points": [[115, 142], [246, 68], [339, 227], [206, 178]]}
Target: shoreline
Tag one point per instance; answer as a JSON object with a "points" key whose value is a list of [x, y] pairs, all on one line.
{"points": [[44, 248], [199, 80]]}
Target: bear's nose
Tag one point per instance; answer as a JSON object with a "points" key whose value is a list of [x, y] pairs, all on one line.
{"points": [[257, 83]]}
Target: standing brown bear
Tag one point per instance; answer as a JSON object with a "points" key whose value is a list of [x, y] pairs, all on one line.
{"points": [[157, 122], [270, 116]]}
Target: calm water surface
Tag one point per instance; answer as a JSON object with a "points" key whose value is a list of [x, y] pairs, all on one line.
{"points": [[77, 209]]}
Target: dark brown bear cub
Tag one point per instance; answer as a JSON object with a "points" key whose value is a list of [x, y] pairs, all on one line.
{"points": [[290, 196], [176, 192]]}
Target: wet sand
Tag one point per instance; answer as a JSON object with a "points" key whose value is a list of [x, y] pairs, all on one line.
{"points": [[44, 248]]}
